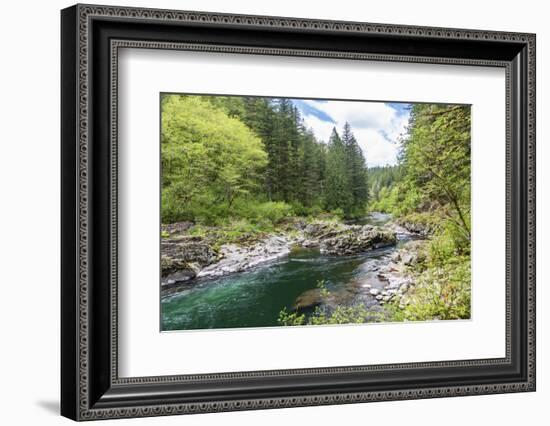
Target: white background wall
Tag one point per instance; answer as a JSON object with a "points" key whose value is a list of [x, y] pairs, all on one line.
{"points": [[29, 212]]}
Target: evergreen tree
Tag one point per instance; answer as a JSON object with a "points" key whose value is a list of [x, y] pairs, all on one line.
{"points": [[356, 169], [338, 188], [311, 171]]}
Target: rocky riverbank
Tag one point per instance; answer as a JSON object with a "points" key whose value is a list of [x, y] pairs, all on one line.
{"points": [[185, 256], [397, 274]]}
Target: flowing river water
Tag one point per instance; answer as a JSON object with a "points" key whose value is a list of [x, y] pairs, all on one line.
{"points": [[254, 298]]}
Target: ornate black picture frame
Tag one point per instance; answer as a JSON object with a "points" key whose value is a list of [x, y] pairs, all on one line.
{"points": [[91, 36]]}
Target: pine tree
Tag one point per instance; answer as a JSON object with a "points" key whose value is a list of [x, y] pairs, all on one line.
{"points": [[310, 171], [338, 189], [356, 169]]}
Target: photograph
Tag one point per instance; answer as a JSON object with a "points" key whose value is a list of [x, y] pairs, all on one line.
{"points": [[279, 211]]}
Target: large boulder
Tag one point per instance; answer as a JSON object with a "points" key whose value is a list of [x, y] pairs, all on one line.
{"points": [[320, 230], [357, 239], [415, 227]]}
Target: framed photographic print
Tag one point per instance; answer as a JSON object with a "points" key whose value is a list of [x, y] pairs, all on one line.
{"points": [[263, 212]]}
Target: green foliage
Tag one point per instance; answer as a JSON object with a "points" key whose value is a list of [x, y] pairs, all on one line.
{"points": [[437, 160], [208, 158], [291, 318], [356, 314], [443, 291], [270, 211]]}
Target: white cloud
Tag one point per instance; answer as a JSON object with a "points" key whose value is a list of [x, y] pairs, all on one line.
{"points": [[376, 125], [377, 149], [322, 129]]}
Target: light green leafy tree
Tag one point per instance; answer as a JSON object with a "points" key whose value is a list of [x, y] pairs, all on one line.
{"points": [[205, 155]]}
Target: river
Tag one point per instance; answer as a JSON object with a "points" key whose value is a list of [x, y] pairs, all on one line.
{"points": [[255, 297]]}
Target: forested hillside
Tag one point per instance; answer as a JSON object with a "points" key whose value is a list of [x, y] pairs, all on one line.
{"points": [[252, 158], [381, 182]]}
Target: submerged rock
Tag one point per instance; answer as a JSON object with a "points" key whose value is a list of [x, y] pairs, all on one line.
{"points": [[308, 300], [314, 297]]}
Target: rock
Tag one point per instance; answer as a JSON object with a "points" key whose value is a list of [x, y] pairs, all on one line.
{"points": [[379, 297], [352, 239], [396, 281], [315, 297], [392, 267], [308, 299], [409, 259], [176, 228], [184, 272], [415, 227], [382, 275], [395, 257], [316, 230], [239, 258], [374, 291], [299, 224], [179, 252], [310, 243]]}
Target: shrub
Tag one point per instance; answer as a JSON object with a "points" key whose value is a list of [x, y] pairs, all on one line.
{"points": [[442, 292], [339, 213], [273, 211]]}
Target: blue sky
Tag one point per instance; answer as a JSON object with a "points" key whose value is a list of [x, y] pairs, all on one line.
{"points": [[377, 126]]}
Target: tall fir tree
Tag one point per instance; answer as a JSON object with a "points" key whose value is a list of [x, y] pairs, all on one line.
{"points": [[356, 169], [338, 188]]}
